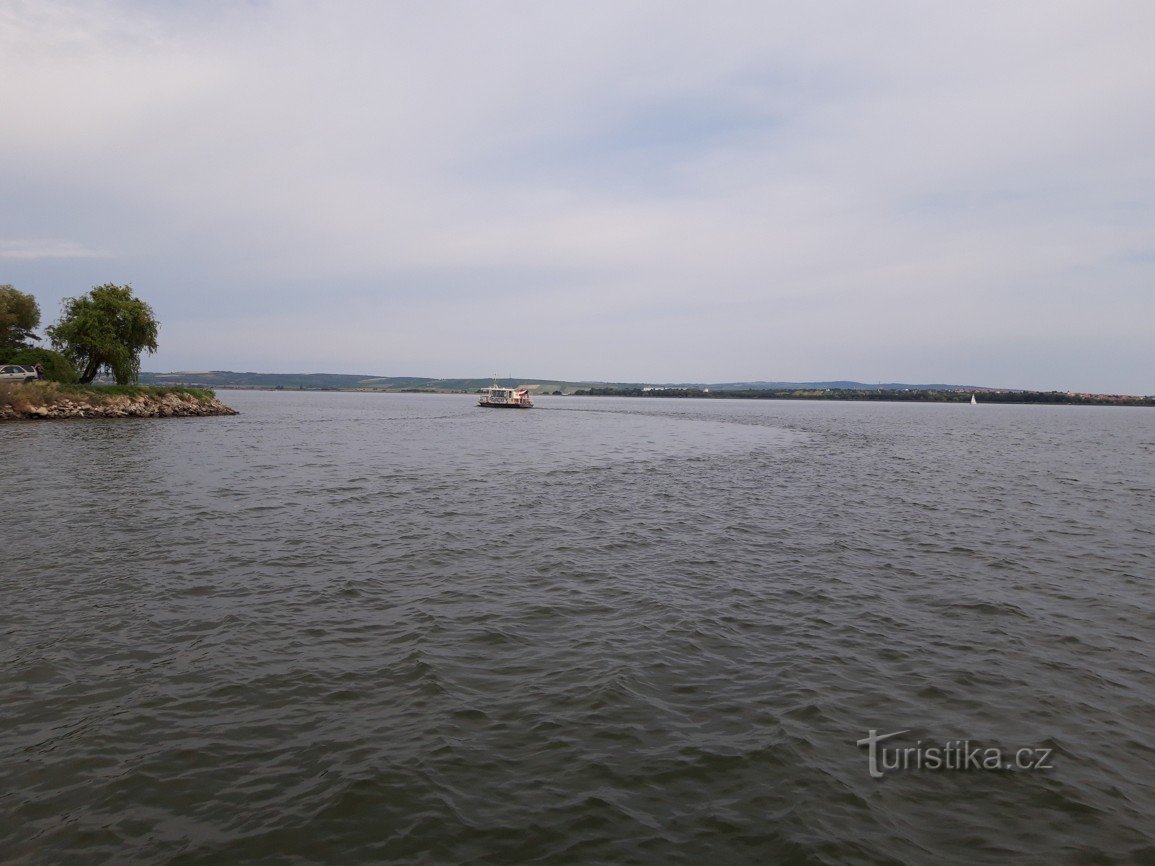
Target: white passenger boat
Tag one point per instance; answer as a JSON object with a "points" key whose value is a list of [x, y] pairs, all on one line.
{"points": [[497, 397]]}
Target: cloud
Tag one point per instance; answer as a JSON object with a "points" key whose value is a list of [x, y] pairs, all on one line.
{"points": [[48, 249], [764, 182]]}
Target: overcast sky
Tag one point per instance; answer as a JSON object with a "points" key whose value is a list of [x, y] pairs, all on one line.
{"points": [[625, 190]]}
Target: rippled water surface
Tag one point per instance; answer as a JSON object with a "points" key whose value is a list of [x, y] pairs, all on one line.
{"points": [[342, 628]]}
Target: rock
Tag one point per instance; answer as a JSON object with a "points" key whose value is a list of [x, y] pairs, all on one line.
{"points": [[119, 406]]}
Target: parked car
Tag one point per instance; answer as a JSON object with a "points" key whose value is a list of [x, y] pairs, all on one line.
{"points": [[16, 373]]}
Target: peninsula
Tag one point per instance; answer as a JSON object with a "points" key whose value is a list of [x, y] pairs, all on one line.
{"points": [[99, 334], [52, 400]]}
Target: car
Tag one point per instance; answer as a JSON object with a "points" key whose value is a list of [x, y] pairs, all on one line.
{"points": [[16, 373]]}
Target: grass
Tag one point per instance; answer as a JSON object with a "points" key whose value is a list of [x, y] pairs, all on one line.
{"points": [[141, 390], [45, 393]]}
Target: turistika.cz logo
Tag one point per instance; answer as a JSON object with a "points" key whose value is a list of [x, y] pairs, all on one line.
{"points": [[951, 755]]}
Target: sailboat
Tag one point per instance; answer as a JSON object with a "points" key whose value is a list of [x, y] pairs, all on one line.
{"points": [[973, 400]]}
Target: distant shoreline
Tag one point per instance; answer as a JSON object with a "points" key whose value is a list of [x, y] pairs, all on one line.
{"points": [[842, 389], [1052, 398], [1021, 398]]}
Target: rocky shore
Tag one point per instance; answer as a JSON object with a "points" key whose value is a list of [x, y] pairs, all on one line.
{"points": [[168, 405]]}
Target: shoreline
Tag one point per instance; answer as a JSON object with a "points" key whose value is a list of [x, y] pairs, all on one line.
{"points": [[45, 401], [1007, 398]]}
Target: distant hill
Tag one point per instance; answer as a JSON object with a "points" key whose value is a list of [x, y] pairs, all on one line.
{"points": [[353, 381], [307, 381], [357, 381], [840, 385], [837, 390]]}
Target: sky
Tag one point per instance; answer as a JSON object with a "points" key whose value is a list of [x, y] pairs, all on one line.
{"points": [[630, 190]]}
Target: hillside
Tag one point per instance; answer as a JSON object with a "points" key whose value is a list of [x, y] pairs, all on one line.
{"points": [[361, 382], [353, 381]]}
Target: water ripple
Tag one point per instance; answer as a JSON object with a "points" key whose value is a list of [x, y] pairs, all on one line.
{"points": [[346, 628]]}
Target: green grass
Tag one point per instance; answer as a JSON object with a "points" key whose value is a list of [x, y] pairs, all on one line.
{"points": [[45, 393], [140, 390]]}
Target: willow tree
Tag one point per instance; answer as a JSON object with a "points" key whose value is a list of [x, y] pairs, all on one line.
{"points": [[106, 329], [19, 314]]}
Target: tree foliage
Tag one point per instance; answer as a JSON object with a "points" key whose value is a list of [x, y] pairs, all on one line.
{"points": [[106, 329], [19, 314], [57, 368]]}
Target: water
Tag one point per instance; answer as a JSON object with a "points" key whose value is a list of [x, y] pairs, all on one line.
{"points": [[352, 627]]}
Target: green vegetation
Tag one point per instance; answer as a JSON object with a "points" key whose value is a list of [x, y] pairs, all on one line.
{"points": [[19, 315], [912, 395], [57, 368], [357, 382], [641, 392], [52, 393], [834, 390], [106, 330], [140, 390]]}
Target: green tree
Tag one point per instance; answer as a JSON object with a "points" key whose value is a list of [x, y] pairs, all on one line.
{"points": [[106, 329], [19, 314], [56, 367]]}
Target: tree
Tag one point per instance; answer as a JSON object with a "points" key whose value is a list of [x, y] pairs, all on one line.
{"points": [[19, 314], [106, 329], [56, 367]]}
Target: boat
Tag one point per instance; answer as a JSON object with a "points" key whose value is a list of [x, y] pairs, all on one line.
{"points": [[497, 397], [973, 400]]}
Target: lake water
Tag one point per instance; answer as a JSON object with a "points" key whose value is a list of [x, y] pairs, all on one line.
{"points": [[346, 628]]}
